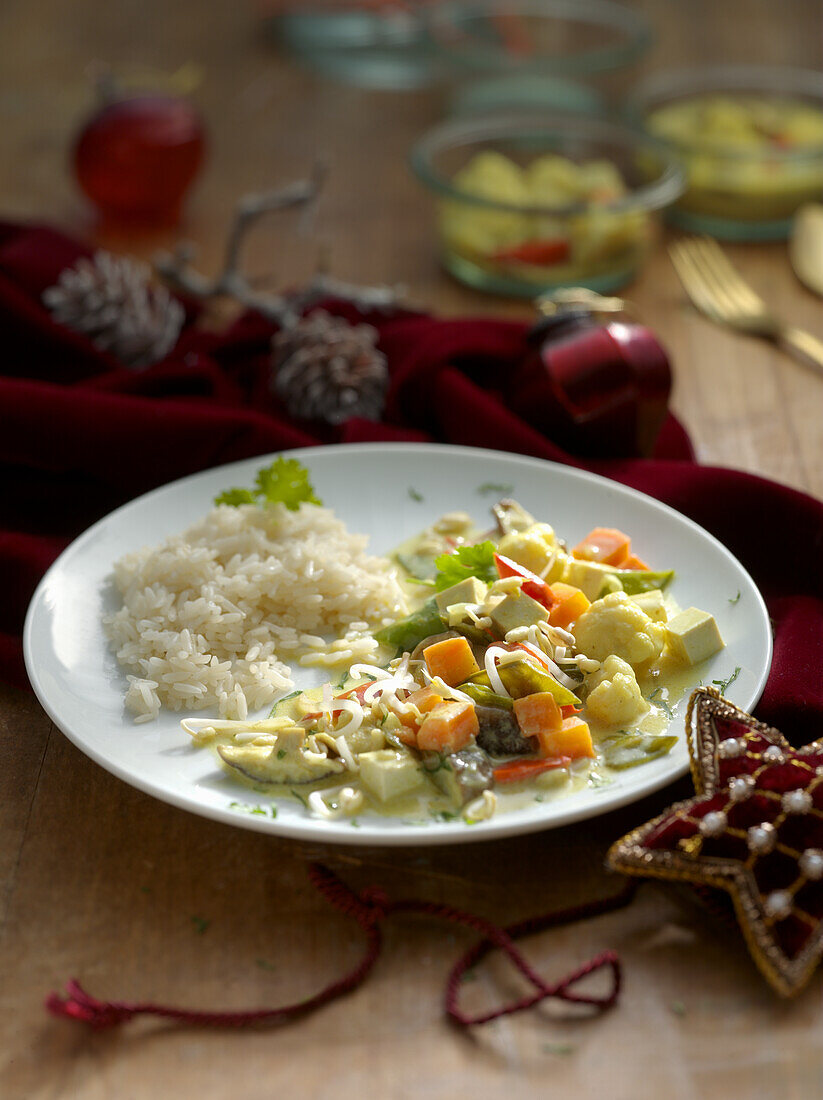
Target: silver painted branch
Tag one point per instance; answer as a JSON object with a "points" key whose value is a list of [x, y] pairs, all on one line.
{"points": [[177, 272]]}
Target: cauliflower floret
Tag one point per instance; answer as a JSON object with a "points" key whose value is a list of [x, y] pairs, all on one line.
{"points": [[616, 625], [614, 697], [536, 549]]}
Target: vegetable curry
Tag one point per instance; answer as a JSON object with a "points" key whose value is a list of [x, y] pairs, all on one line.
{"points": [[526, 670]]}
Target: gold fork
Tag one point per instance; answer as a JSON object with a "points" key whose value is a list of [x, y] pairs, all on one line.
{"points": [[717, 289]]}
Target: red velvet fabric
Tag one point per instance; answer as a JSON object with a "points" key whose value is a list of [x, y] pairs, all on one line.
{"points": [[80, 434]]}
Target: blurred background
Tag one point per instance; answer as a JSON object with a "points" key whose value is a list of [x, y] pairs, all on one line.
{"points": [[276, 85]]}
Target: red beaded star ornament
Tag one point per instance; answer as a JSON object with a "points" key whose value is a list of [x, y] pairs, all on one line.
{"points": [[754, 829]]}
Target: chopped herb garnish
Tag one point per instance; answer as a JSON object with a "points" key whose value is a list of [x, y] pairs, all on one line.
{"points": [[678, 1008], [145, 889], [466, 561], [654, 698], [414, 494], [443, 815], [495, 487], [247, 808], [539, 798], [723, 685], [200, 924], [355, 824], [264, 964], [558, 1048], [441, 765], [286, 481], [596, 780], [281, 753], [301, 797], [734, 599]]}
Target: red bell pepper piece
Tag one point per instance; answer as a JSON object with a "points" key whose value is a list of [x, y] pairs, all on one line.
{"points": [[541, 253], [516, 770], [532, 584]]}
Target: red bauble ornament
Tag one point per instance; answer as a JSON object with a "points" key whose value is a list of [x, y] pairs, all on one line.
{"points": [[136, 158]]}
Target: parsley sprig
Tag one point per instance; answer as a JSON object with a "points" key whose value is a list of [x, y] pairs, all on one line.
{"points": [[466, 561], [286, 481]]}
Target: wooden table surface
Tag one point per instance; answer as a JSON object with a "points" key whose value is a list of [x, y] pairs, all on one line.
{"points": [[143, 901]]}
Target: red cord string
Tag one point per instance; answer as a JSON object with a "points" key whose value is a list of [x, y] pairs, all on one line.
{"points": [[369, 909]]}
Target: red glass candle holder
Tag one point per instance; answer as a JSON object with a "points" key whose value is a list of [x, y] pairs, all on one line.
{"points": [[136, 158]]}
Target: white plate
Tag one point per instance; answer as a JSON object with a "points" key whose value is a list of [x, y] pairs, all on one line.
{"points": [[373, 488]]}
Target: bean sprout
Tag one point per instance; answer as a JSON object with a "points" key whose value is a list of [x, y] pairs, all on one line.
{"points": [[491, 669], [349, 801], [482, 808]]}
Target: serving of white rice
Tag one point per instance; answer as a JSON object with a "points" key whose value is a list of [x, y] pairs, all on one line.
{"points": [[210, 616]]}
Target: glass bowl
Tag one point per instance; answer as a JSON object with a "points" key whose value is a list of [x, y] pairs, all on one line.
{"points": [[378, 47], [751, 141], [571, 38], [499, 233]]}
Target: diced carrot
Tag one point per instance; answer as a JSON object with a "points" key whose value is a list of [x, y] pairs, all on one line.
{"points": [[633, 562], [448, 727], [532, 585], [572, 739], [517, 770], [571, 603], [452, 660], [538, 715], [569, 710], [604, 544], [539, 711], [408, 735], [425, 699]]}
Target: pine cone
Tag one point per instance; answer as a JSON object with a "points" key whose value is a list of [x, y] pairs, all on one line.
{"points": [[111, 300], [327, 369]]}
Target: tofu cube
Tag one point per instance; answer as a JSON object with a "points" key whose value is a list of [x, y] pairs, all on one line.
{"points": [[388, 773], [517, 610], [653, 603], [591, 578], [693, 635], [471, 590]]}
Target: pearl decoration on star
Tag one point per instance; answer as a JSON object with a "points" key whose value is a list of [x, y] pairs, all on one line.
{"points": [[778, 904], [774, 755], [811, 864], [796, 802], [762, 838], [713, 824], [728, 750], [741, 787]]}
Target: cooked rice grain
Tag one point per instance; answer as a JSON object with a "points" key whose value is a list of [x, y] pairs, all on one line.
{"points": [[210, 617]]}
